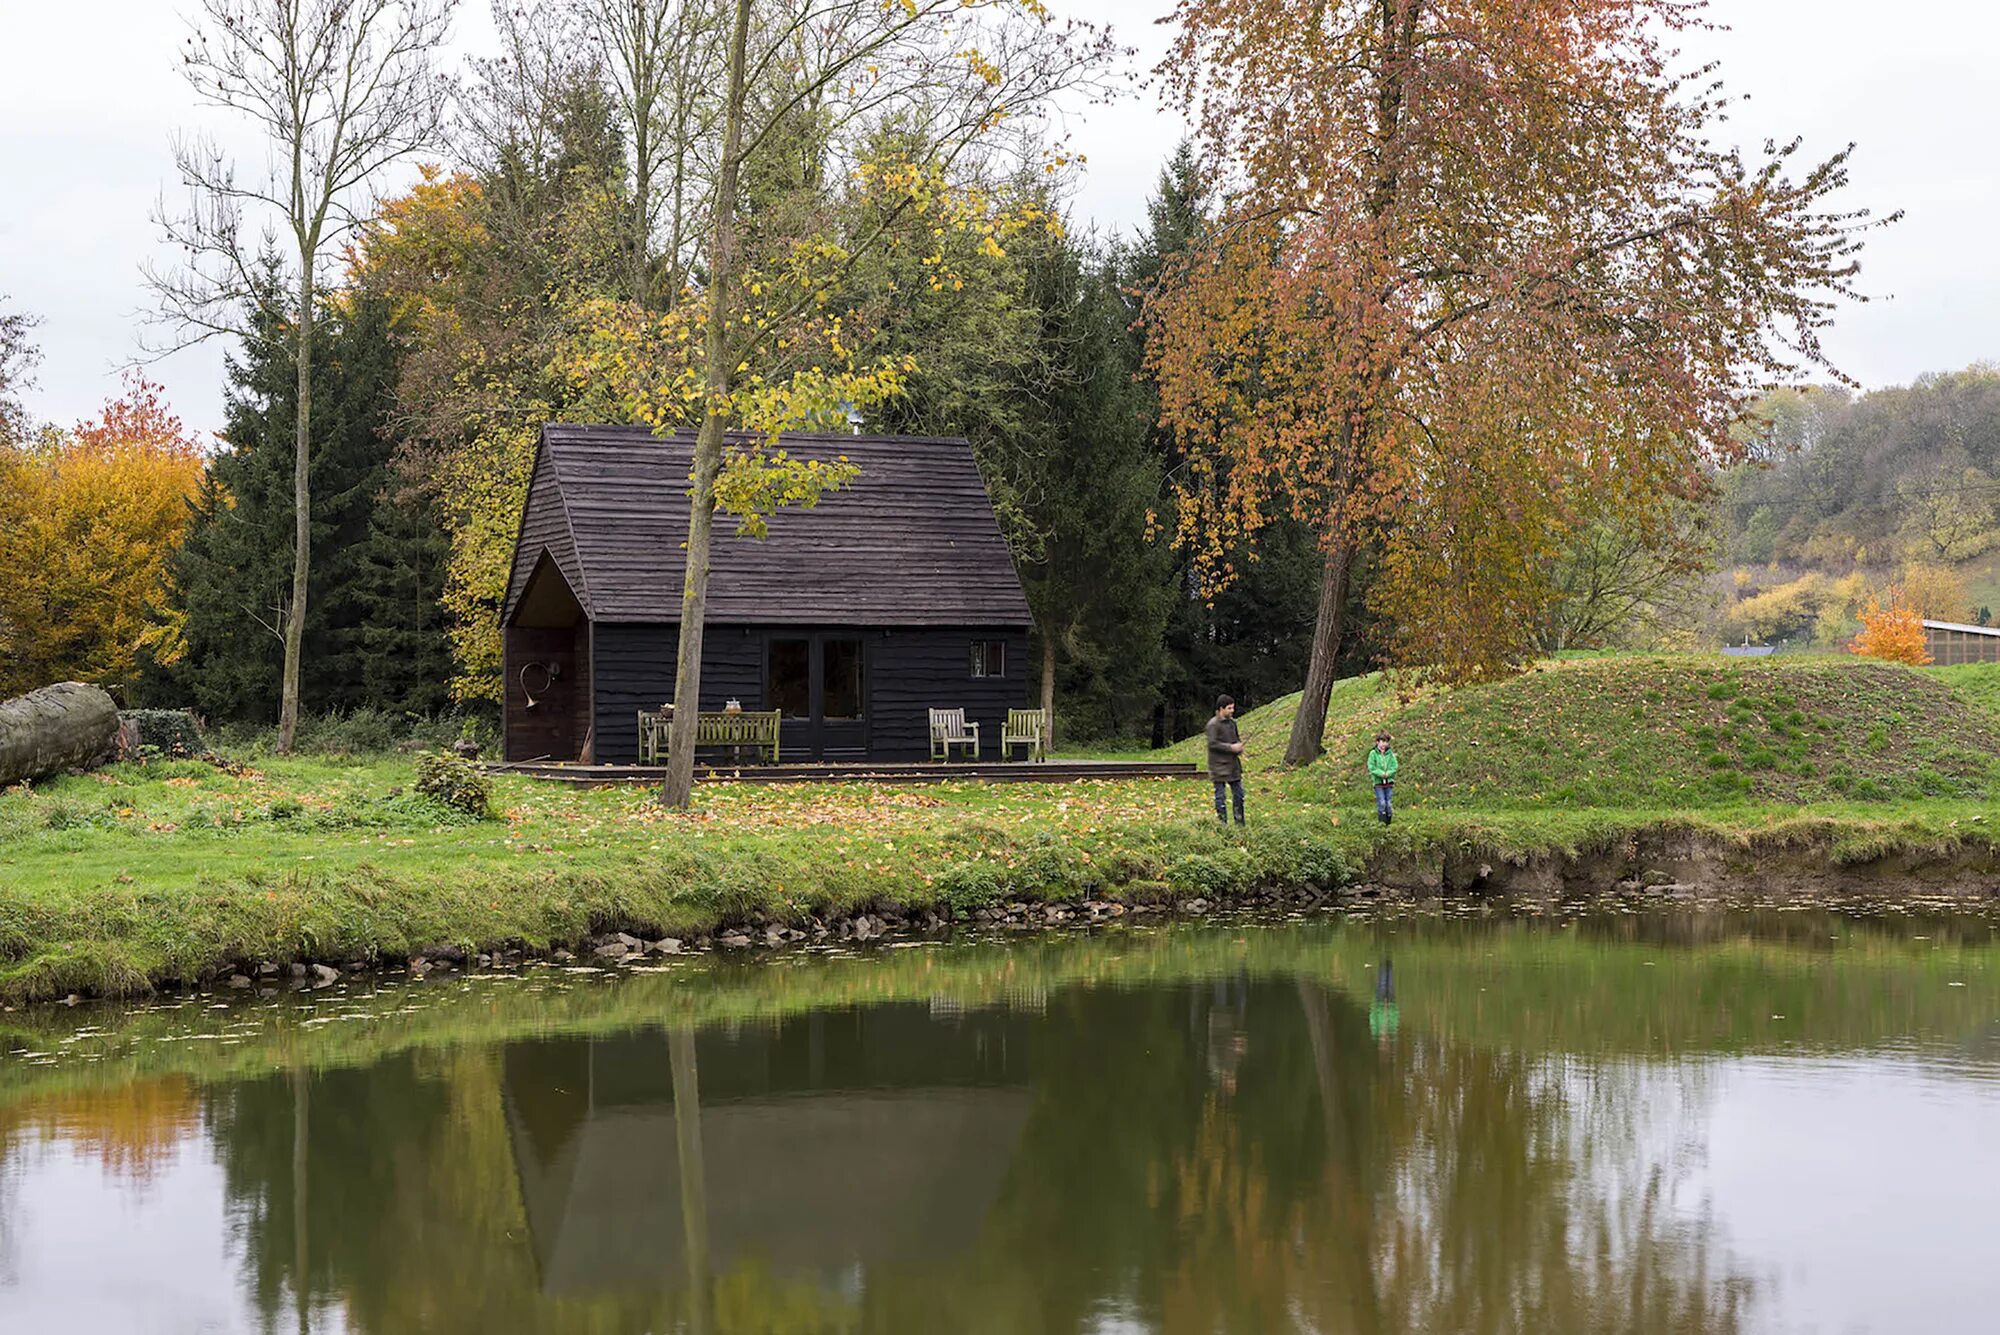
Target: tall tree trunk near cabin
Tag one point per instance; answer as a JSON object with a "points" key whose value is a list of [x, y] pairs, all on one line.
{"points": [[679, 788], [295, 618], [1309, 724], [1049, 689], [693, 1175]]}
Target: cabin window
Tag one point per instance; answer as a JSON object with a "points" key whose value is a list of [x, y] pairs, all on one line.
{"points": [[989, 658], [789, 673], [840, 680]]}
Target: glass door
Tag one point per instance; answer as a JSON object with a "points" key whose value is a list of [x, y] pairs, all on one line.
{"points": [[843, 722], [788, 689], [818, 683]]}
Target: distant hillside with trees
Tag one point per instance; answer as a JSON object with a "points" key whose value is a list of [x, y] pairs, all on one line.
{"points": [[1892, 494]]}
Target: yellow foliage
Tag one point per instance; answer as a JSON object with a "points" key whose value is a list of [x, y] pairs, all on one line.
{"points": [[88, 519], [1935, 591], [1780, 611]]}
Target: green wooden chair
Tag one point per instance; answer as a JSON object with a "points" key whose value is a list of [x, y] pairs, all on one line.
{"points": [[949, 729], [1029, 728]]}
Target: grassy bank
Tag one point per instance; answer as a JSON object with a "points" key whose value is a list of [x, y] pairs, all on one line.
{"points": [[1605, 983], [138, 875]]}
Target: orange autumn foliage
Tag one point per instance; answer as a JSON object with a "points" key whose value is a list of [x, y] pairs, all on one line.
{"points": [[1482, 275], [88, 518], [1895, 633]]}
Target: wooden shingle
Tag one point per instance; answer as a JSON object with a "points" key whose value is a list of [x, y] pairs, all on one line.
{"points": [[912, 542]]}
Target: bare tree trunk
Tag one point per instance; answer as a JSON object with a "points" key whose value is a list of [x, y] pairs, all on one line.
{"points": [[295, 620], [1309, 724], [679, 789], [1049, 687]]}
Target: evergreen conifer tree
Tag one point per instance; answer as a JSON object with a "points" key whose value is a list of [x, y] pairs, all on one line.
{"points": [[372, 636]]}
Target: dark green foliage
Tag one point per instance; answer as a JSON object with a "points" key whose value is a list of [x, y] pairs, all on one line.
{"points": [[166, 732], [353, 733], [454, 783], [1084, 470], [374, 634]]}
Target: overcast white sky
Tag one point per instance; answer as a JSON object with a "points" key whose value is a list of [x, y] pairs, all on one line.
{"points": [[89, 95]]}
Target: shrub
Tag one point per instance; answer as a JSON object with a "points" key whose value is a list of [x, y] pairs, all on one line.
{"points": [[454, 783], [1895, 633], [1213, 877], [174, 733], [359, 732]]}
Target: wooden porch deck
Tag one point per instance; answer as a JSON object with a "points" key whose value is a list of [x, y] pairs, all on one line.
{"points": [[914, 771]]}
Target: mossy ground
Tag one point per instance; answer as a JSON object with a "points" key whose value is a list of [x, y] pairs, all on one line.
{"points": [[137, 875]]}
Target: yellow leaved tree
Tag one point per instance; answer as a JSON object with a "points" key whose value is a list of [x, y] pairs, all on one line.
{"points": [[88, 518], [1895, 632]]}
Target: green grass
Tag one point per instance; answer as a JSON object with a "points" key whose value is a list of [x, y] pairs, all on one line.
{"points": [[141, 874], [1609, 983], [1688, 734]]}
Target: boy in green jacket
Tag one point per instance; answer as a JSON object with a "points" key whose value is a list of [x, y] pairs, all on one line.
{"points": [[1382, 765]]}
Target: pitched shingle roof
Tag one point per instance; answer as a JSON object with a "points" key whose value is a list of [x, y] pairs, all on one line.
{"points": [[911, 542]]}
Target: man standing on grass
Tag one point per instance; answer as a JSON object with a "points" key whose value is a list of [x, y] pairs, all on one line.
{"points": [[1382, 767], [1225, 758]]}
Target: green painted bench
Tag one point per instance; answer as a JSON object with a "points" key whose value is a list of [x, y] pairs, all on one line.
{"points": [[743, 729]]}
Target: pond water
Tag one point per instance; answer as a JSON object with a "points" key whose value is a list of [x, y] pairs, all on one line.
{"points": [[1617, 1122]]}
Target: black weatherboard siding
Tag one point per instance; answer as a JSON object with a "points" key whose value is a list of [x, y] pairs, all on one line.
{"points": [[907, 562]]}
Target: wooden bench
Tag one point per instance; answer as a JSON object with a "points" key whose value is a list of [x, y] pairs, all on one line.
{"points": [[743, 729], [1029, 728], [949, 729]]}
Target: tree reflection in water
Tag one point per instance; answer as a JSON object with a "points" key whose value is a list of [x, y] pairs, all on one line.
{"points": [[1236, 1154]]}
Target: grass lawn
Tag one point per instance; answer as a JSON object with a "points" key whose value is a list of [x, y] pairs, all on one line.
{"points": [[141, 874]]}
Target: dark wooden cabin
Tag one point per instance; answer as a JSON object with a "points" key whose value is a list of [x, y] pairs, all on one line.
{"points": [[856, 617]]}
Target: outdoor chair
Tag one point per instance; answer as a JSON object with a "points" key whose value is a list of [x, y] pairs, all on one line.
{"points": [[1029, 728], [949, 729]]}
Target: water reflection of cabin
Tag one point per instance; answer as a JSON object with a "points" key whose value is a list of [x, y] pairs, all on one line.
{"points": [[854, 617], [844, 1139]]}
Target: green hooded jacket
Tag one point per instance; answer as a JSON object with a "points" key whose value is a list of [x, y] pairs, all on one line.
{"points": [[1382, 765]]}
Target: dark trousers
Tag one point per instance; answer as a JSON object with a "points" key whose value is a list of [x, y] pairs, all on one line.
{"points": [[1234, 789], [1384, 794]]}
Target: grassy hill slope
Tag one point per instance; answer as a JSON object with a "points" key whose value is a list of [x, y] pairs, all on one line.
{"points": [[1661, 732]]}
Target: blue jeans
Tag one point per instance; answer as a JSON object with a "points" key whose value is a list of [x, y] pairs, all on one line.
{"points": [[1384, 793], [1234, 789]]}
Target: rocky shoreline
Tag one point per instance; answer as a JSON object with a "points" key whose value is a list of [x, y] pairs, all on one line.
{"points": [[1661, 865]]}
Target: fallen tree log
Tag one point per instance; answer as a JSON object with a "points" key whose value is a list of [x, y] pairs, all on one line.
{"points": [[61, 727]]}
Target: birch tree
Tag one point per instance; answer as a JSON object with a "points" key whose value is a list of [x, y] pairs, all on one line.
{"points": [[339, 91]]}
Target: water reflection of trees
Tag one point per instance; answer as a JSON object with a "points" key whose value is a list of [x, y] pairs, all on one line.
{"points": [[1236, 1155]]}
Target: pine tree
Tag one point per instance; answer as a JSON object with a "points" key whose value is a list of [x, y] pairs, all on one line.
{"points": [[372, 632]]}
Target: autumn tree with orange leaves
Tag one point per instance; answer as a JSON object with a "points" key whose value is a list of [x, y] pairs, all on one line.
{"points": [[1894, 633], [88, 519], [1480, 278]]}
